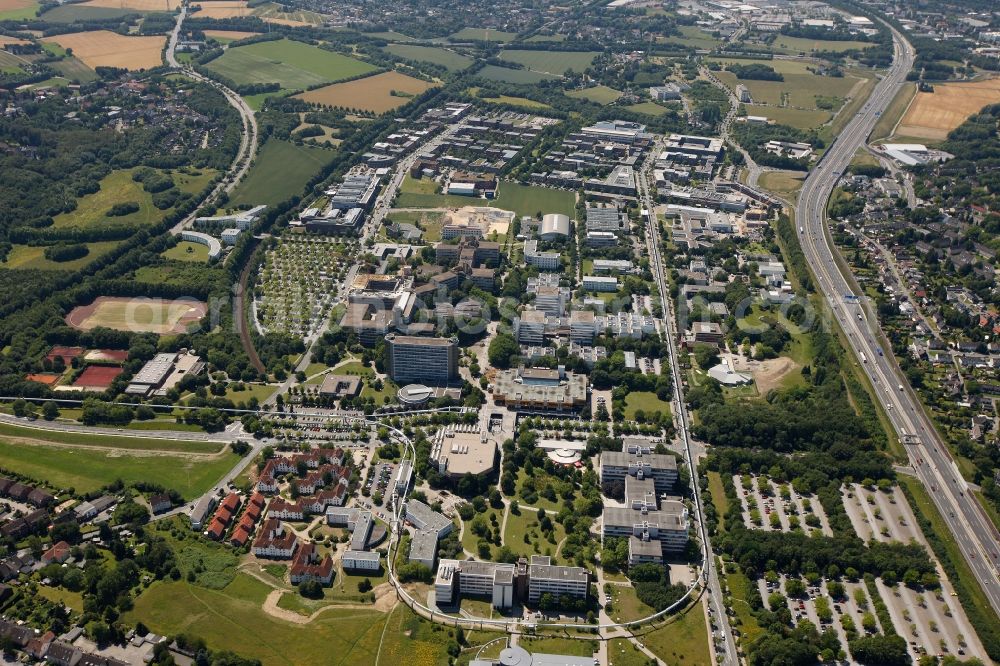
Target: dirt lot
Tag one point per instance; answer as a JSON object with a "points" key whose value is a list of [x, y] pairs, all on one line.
{"points": [[369, 94], [108, 49], [933, 115], [138, 5], [767, 374]]}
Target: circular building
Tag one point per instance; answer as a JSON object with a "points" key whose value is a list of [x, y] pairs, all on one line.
{"points": [[554, 227], [414, 394]]}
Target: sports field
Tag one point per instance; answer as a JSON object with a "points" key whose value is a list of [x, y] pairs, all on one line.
{"points": [[99, 48], [432, 54], [932, 115], [483, 35], [33, 258], [138, 315], [293, 65], [800, 89], [281, 169], [98, 376], [508, 75], [87, 469], [599, 94], [17, 9], [372, 93], [551, 62], [136, 5]]}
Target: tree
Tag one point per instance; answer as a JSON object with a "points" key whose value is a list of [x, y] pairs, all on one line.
{"points": [[50, 410], [311, 589], [880, 650], [503, 349]]}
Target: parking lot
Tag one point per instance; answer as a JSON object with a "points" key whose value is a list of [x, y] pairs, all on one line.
{"points": [[777, 507], [932, 621]]}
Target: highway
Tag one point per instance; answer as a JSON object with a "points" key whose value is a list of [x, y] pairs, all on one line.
{"points": [[975, 535], [710, 578]]}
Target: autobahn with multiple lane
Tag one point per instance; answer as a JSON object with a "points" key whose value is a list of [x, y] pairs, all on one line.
{"points": [[976, 537]]}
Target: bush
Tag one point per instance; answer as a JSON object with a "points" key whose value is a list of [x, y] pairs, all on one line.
{"points": [[66, 252], [123, 209]]}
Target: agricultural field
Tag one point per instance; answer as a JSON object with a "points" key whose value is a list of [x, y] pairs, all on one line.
{"points": [[482, 35], [296, 285], [432, 54], [800, 118], [103, 48], [119, 188], [187, 251], [293, 65], [17, 9], [600, 94], [135, 5], [138, 315], [33, 257], [796, 45], [221, 9], [516, 76], [88, 468], [931, 115], [281, 170], [226, 36], [75, 70], [376, 94], [551, 62], [71, 13], [10, 63], [801, 89]]}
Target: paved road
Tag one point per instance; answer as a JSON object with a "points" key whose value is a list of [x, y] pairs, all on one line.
{"points": [[248, 138], [975, 535], [710, 576]]}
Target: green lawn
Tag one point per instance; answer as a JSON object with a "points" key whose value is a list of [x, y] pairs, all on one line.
{"points": [[600, 94], [646, 401], [523, 536], [483, 35], [432, 54], [682, 642], [232, 619], [648, 108], [187, 251], [739, 588], [280, 171], [554, 645], [72, 600], [551, 62], [796, 45], [516, 76], [470, 541], [626, 605], [118, 187], [260, 391], [694, 37], [541, 480], [293, 65], [719, 498], [33, 257], [799, 118], [87, 470]]}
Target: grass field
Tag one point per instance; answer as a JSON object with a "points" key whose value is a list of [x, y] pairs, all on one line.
{"points": [[260, 391], [600, 94], [719, 498], [523, 536], [739, 587], [17, 9], [622, 653], [33, 258], [138, 315], [626, 605], [88, 469], [648, 108], [187, 251], [410, 640], [272, 12], [227, 36], [293, 65], [105, 442], [74, 69], [136, 5], [933, 114], [887, 121], [105, 48], [483, 35], [232, 619], [799, 89], [118, 187], [551, 62], [796, 45], [281, 169], [683, 641], [432, 54], [522, 102], [800, 118], [694, 37], [646, 401], [785, 184], [72, 600], [516, 76], [373, 93], [554, 645]]}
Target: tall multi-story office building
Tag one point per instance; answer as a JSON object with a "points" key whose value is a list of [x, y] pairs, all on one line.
{"points": [[416, 359]]}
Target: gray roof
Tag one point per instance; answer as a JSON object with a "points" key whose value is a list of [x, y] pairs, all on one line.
{"points": [[417, 511], [552, 572], [423, 546], [621, 459], [668, 518]]}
